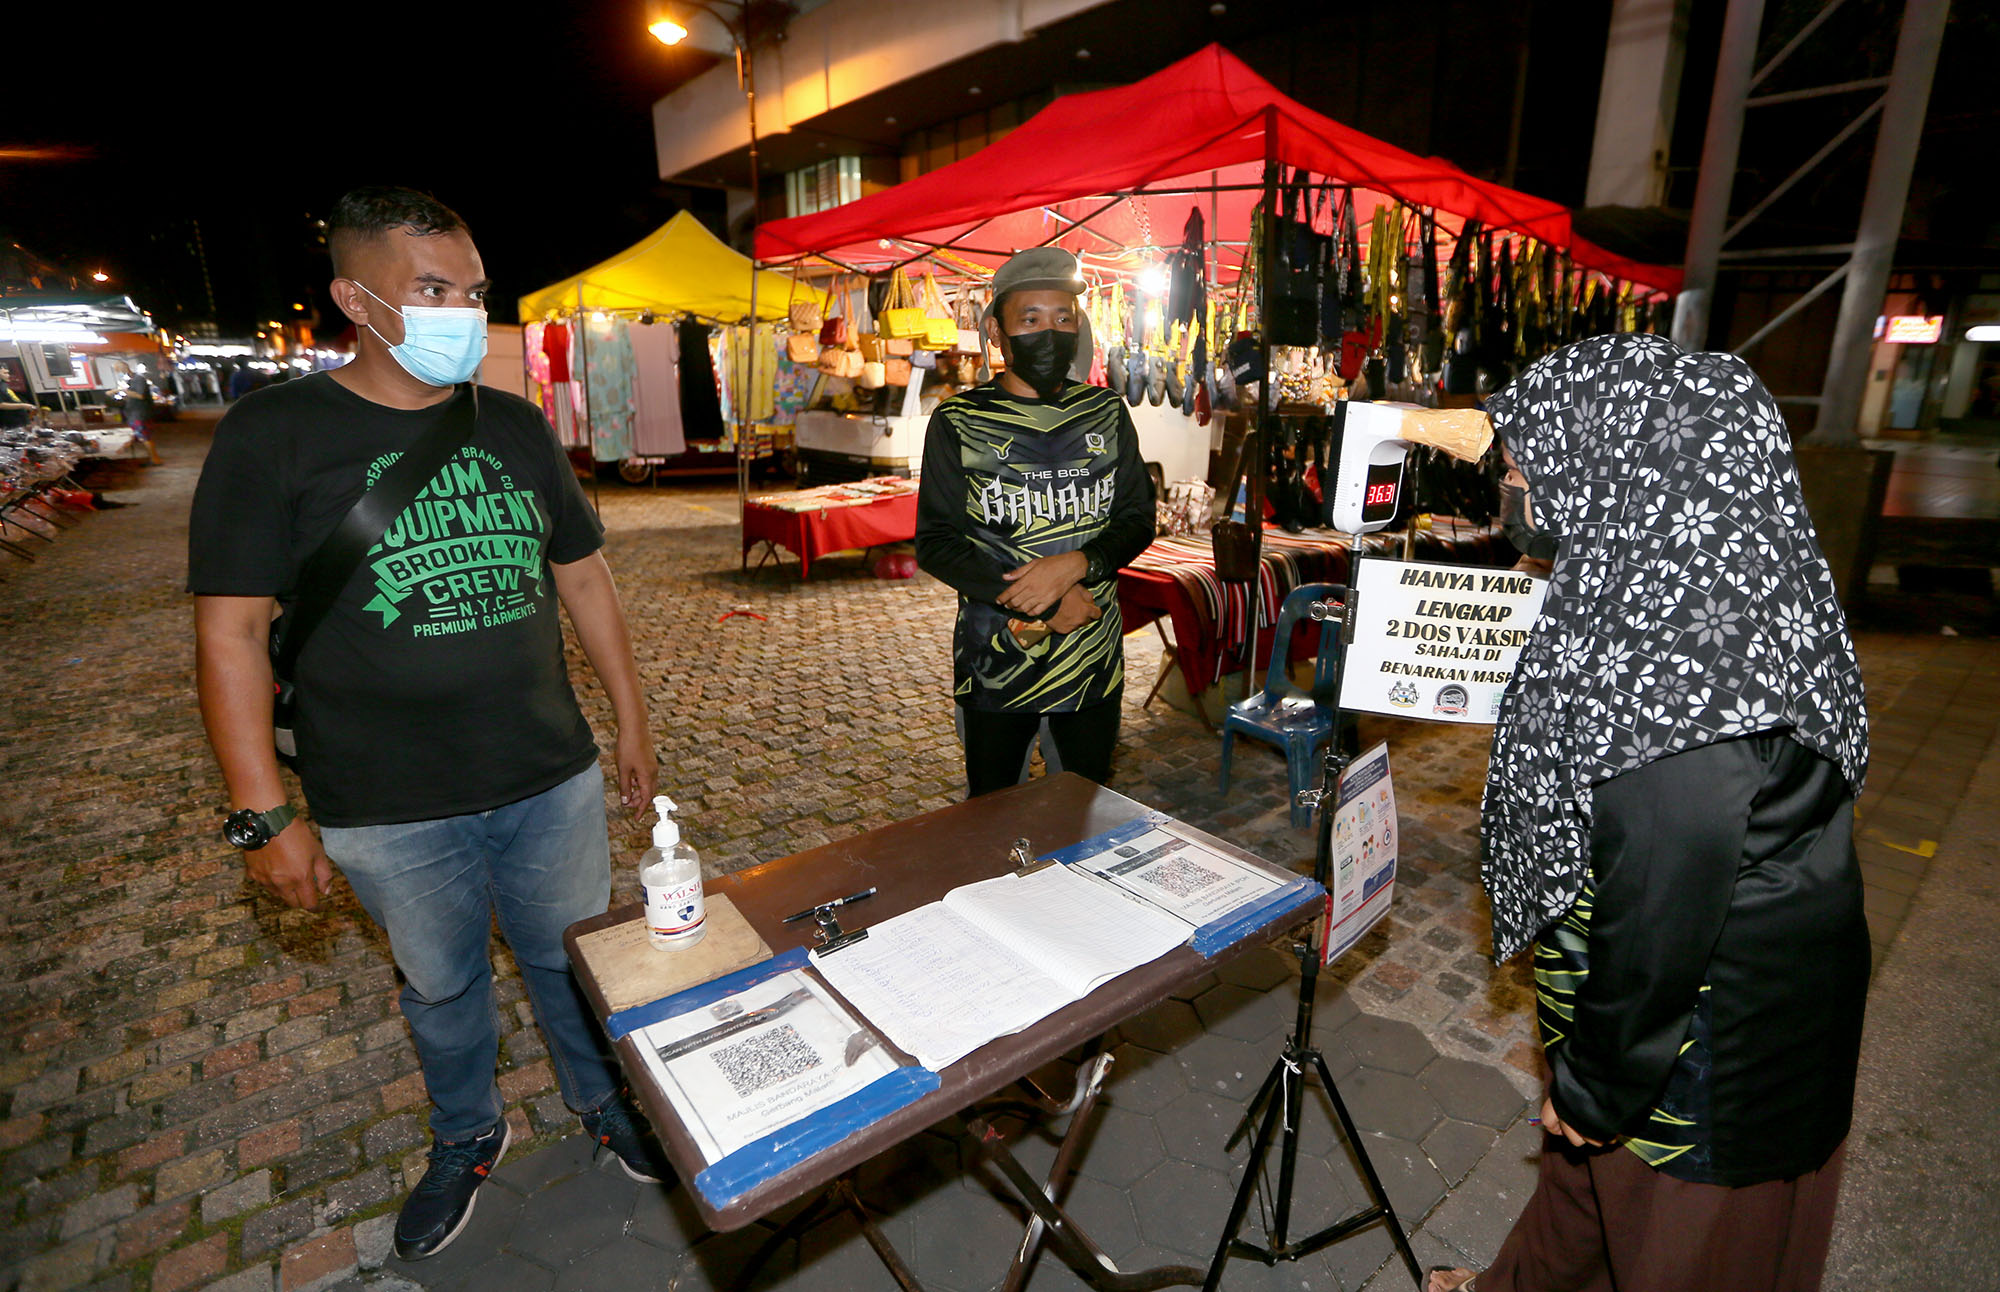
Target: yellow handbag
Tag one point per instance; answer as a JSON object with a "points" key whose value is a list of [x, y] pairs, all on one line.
{"points": [[903, 316], [940, 328]]}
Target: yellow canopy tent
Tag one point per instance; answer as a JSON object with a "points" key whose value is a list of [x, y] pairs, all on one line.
{"points": [[679, 268]]}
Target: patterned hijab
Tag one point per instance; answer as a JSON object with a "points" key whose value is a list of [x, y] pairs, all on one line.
{"points": [[1689, 603]]}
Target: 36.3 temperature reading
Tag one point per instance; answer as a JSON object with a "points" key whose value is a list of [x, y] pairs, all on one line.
{"points": [[1379, 494]]}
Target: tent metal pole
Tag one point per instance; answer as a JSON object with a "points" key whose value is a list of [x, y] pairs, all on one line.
{"points": [[1733, 69], [746, 64], [583, 378], [1253, 501]]}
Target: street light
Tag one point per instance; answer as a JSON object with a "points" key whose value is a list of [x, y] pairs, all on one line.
{"points": [[747, 22]]}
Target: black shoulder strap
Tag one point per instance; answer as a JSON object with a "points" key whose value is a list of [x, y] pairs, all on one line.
{"points": [[328, 569]]}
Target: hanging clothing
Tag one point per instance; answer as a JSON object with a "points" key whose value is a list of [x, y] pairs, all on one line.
{"points": [[608, 359], [656, 391], [556, 349], [733, 350], [701, 402]]}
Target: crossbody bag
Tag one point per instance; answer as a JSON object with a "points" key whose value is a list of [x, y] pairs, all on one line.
{"points": [[326, 572]]}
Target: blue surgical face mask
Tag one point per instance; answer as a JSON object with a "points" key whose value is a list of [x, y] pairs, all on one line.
{"points": [[442, 345]]}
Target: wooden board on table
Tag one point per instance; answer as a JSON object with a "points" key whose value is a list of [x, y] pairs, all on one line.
{"points": [[631, 972]]}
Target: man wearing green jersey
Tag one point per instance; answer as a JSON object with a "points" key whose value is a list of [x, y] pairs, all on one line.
{"points": [[1033, 497]]}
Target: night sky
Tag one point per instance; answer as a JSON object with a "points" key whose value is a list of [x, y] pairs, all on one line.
{"points": [[253, 119]]}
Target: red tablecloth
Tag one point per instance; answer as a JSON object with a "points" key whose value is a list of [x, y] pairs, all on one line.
{"points": [[1175, 578], [807, 534]]}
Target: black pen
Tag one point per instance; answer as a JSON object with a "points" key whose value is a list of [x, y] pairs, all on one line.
{"points": [[811, 911]]}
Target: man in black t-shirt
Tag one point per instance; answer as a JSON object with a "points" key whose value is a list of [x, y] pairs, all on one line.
{"points": [[1033, 498], [451, 774]]}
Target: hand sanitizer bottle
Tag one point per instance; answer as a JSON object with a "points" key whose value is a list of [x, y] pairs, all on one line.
{"points": [[671, 872]]}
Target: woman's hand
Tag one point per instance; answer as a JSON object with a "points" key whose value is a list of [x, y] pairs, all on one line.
{"points": [[1554, 1125]]}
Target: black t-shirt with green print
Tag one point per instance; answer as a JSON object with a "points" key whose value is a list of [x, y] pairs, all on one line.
{"points": [[1008, 479], [436, 685]]}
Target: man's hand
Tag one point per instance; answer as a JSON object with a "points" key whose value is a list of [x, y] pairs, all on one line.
{"points": [[638, 768], [292, 867], [1554, 1125], [1038, 585], [1076, 609]]}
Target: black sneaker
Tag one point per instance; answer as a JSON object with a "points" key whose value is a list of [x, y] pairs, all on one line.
{"points": [[437, 1209], [618, 1127]]}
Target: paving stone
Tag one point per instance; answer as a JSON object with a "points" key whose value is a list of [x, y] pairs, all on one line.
{"points": [[1246, 1015], [959, 1239], [274, 1228], [572, 1217], [1181, 1207], [1122, 1146], [1143, 1080], [1387, 1044], [1472, 1092], [236, 1197], [258, 1278], [317, 1263], [1223, 1066]]}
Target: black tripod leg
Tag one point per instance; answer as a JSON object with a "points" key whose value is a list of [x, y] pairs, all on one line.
{"points": [[1256, 1102], [1241, 1204], [1374, 1181]]}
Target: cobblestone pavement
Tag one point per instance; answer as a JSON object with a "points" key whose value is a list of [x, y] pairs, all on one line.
{"points": [[202, 1088]]}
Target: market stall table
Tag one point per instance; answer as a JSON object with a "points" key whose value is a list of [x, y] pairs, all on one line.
{"points": [[834, 518], [1174, 579], [910, 864]]}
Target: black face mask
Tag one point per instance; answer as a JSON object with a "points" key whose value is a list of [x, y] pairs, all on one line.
{"points": [[1042, 359], [1536, 544]]}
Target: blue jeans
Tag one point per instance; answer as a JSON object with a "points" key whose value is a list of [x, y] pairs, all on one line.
{"points": [[435, 886]]}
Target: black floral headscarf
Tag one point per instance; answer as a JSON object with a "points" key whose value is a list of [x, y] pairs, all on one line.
{"points": [[1689, 603]]}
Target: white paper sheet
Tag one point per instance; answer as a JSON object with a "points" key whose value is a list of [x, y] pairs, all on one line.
{"points": [[1078, 929], [735, 1084], [1181, 876], [938, 985]]}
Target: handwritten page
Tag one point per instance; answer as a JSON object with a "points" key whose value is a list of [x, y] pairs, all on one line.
{"points": [[1181, 876], [939, 986], [755, 1062], [1080, 930]]}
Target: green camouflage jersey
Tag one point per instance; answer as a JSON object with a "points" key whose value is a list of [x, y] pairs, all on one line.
{"points": [[1007, 479]]}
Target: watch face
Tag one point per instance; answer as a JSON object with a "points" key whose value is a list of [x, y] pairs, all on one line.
{"points": [[245, 829]]}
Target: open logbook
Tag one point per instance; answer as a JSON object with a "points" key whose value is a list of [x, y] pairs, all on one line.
{"points": [[995, 957]]}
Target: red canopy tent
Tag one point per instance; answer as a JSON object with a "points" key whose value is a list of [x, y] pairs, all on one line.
{"points": [[1109, 173]]}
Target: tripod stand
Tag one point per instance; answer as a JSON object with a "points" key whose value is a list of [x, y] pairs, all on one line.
{"points": [[1283, 1091]]}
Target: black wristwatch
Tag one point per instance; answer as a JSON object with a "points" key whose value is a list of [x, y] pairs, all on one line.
{"points": [[250, 830], [1093, 568]]}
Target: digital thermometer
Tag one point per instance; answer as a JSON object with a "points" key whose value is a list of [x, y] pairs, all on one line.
{"points": [[1368, 475]]}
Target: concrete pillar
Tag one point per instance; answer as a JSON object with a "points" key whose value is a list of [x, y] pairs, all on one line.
{"points": [[1636, 102]]}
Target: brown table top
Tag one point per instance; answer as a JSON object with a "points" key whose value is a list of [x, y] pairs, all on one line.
{"points": [[911, 864]]}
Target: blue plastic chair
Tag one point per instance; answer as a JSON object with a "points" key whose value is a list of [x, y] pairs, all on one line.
{"points": [[1296, 721]]}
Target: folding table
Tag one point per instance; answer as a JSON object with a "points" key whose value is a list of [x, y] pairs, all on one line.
{"points": [[912, 863]]}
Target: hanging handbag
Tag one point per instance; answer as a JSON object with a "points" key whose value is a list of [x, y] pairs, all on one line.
{"points": [[870, 344], [805, 315], [966, 315], [903, 316], [1235, 541], [833, 328], [898, 372], [327, 571], [802, 347], [940, 328], [874, 375]]}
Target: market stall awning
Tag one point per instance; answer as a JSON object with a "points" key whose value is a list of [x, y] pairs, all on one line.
{"points": [[1206, 121], [680, 268]]}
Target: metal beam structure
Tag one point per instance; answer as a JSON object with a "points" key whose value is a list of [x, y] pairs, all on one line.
{"points": [[1734, 69], [1905, 104]]}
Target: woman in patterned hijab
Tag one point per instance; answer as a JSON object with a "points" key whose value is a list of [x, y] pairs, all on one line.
{"points": [[1668, 818]]}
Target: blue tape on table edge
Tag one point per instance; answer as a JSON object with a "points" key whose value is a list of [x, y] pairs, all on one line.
{"points": [[1219, 935], [1111, 838], [626, 1021], [724, 1181]]}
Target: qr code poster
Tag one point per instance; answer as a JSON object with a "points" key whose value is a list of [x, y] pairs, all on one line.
{"points": [[1365, 832], [1437, 642], [753, 1063]]}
